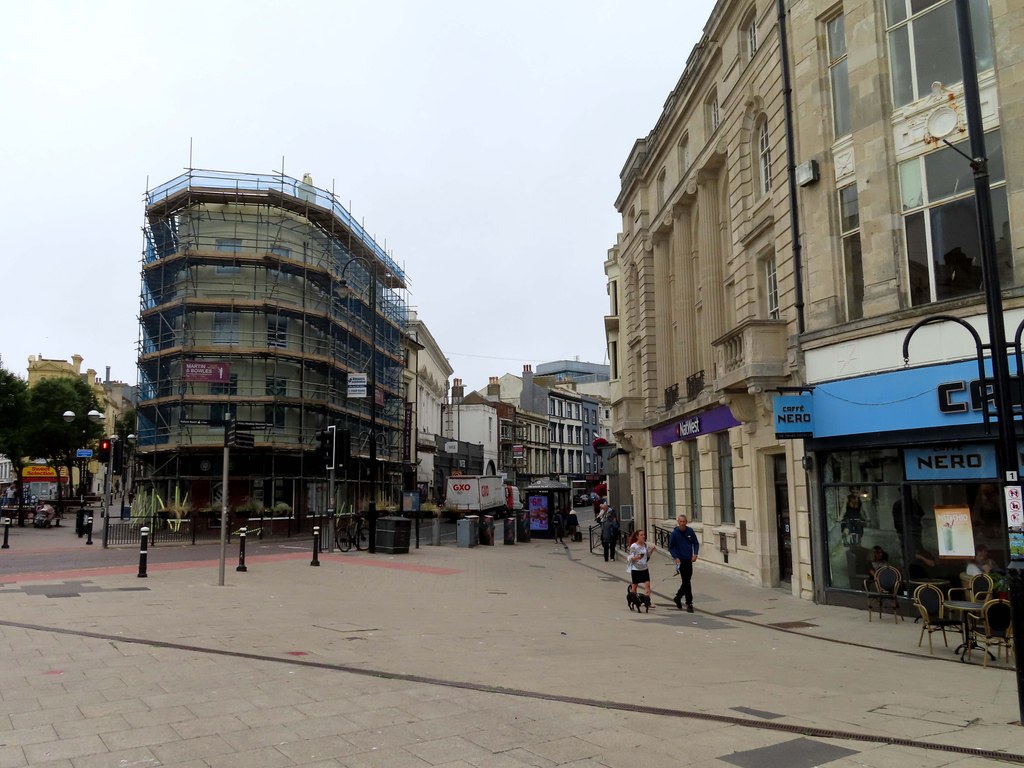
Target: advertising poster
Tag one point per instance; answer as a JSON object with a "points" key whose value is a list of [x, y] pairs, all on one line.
{"points": [[953, 527], [539, 513]]}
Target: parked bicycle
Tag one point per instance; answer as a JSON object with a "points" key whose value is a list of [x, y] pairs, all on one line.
{"points": [[349, 529]]}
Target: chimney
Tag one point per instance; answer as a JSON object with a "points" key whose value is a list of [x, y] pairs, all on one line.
{"points": [[107, 380], [458, 391], [493, 387]]}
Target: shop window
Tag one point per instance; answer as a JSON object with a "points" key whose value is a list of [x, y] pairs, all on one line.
{"points": [[693, 471], [940, 223], [839, 78], [924, 48], [726, 499], [670, 481], [853, 268]]}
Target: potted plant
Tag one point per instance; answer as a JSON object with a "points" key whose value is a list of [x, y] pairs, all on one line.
{"points": [[1000, 589], [249, 508]]}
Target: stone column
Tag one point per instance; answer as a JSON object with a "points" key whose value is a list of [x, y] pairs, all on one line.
{"points": [[709, 247]]}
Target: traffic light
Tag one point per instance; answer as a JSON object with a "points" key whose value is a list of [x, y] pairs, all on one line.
{"points": [[103, 452], [116, 457], [325, 449]]}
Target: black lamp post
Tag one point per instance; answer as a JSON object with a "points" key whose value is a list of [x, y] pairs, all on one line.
{"points": [[999, 399], [371, 515], [94, 417]]}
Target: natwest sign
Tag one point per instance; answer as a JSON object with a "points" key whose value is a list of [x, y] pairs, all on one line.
{"points": [[203, 370]]}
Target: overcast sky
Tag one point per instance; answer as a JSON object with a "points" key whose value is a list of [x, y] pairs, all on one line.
{"points": [[481, 142]]}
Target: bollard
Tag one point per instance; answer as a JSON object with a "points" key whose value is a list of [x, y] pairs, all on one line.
{"points": [[7, 530], [143, 552], [316, 545], [241, 551], [88, 529]]}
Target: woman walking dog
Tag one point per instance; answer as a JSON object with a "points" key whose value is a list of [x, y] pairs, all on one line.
{"points": [[638, 556]]}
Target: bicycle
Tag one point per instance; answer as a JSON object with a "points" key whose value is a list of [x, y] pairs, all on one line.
{"points": [[349, 530]]}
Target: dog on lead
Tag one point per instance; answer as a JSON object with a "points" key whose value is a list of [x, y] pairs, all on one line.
{"points": [[635, 599]]}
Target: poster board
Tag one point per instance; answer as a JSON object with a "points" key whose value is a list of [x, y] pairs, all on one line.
{"points": [[954, 531]]}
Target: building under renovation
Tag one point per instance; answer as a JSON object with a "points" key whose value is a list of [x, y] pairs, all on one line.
{"points": [[264, 300]]}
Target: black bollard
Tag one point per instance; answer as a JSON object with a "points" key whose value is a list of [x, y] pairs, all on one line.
{"points": [[241, 551], [88, 529], [7, 530], [316, 545], [143, 552]]}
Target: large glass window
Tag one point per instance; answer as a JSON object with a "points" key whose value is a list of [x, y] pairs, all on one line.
{"points": [[725, 488], [226, 327], [941, 224], [853, 268], [693, 461], [839, 75], [670, 482], [771, 287], [764, 158], [924, 47]]}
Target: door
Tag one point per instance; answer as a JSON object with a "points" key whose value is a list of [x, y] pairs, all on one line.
{"points": [[782, 525]]}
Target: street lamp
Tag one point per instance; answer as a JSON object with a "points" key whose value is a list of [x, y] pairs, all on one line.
{"points": [[940, 125], [94, 417], [371, 270]]}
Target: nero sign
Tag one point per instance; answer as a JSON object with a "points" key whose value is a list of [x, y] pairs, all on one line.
{"points": [[794, 416], [950, 462]]}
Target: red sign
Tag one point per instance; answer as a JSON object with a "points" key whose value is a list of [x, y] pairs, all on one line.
{"points": [[201, 370]]}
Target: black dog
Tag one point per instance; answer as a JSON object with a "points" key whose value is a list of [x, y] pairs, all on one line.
{"points": [[646, 601], [632, 599]]}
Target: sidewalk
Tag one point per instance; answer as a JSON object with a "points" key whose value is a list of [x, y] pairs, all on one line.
{"points": [[491, 656]]}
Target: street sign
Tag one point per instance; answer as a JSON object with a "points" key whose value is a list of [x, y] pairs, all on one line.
{"points": [[195, 422], [251, 424], [1014, 506], [83, 453], [242, 440]]}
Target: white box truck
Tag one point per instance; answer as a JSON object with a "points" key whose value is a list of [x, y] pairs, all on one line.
{"points": [[475, 493]]}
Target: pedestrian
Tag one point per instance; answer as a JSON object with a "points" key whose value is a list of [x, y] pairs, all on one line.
{"points": [[609, 531], [558, 521], [639, 554], [683, 545]]}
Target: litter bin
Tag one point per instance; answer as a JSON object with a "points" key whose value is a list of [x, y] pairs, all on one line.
{"points": [[487, 530], [393, 535], [467, 531], [523, 525], [510, 529]]}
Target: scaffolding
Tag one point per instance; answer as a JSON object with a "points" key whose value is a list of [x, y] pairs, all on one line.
{"points": [[244, 272]]}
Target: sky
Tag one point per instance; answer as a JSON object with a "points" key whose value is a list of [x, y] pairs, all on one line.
{"points": [[479, 143]]}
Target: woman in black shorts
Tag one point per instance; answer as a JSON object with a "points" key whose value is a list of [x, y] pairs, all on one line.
{"points": [[639, 552]]}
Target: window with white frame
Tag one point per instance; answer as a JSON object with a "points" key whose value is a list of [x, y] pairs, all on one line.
{"points": [[277, 331], [771, 287], [228, 245], [764, 158], [838, 73], [221, 411], [940, 222], [749, 34], [275, 414], [923, 45], [711, 108], [853, 269], [226, 327]]}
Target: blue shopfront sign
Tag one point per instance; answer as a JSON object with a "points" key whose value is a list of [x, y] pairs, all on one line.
{"points": [[960, 462], [949, 395], [794, 416]]}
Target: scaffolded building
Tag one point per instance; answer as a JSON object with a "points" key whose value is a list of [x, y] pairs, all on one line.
{"points": [[256, 303]]}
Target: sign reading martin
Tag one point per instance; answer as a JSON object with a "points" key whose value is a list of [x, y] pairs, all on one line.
{"points": [[794, 416], [204, 370], [357, 385]]}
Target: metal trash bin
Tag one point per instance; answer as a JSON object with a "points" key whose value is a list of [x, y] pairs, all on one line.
{"points": [[467, 531], [393, 535], [487, 531], [510, 529], [523, 525]]}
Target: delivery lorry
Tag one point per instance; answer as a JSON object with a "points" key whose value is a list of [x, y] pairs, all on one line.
{"points": [[480, 494]]}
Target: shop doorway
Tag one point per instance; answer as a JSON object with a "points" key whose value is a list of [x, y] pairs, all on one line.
{"points": [[782, 524]]}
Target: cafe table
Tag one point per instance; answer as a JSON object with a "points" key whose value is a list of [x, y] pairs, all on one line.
{"points": [[965, 607]]}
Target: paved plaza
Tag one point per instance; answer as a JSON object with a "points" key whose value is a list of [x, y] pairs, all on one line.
{"points": [[491, 657]]}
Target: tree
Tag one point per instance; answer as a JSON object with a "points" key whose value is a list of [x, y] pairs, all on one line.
{"points": [[14, 399], [49, 436]]}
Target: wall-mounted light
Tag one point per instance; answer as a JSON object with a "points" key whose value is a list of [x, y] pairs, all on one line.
{"points": [[807, 462], [807, 173]]}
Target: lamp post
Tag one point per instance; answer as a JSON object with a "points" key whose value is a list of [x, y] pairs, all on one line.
{"points": [[999, 397], [371, 516], [93, 417]]}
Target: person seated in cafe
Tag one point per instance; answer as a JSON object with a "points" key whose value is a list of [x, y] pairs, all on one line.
{"points": [[852, 524], [879, 557], [981, 563], [922, 564]]}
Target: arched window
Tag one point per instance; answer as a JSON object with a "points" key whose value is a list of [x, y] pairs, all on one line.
{"points": [[748, 35], [763, 154], [684, 155], [660, 188]]}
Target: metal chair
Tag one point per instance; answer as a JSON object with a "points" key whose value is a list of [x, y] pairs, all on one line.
{"points": [[883, 588], [993, 625], [978, 588], [930, 604]]}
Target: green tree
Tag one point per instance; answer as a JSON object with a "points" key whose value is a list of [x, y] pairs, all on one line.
{"points": [[14, 399], [49, 436]]}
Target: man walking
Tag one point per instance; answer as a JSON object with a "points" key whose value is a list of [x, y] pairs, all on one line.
{"points": [[683, 546], [609, 531]]}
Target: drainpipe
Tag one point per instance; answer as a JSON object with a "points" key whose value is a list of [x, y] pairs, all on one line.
{"points": [[794, 218]]}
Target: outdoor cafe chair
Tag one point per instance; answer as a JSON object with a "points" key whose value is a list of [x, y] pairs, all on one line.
{"points": [[993, 627], [884, 588], [977, 588], [930, 604]]}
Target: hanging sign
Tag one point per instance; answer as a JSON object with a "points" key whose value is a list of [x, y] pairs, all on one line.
{"points": [[357, 385], [794, 416], [1014, 506]]}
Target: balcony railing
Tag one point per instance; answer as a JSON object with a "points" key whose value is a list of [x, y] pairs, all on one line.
{"points": [[694, 384], [671, 396], [752, 354]]}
